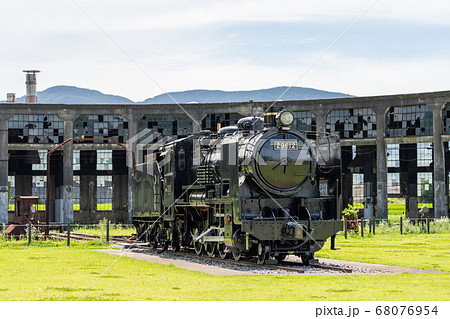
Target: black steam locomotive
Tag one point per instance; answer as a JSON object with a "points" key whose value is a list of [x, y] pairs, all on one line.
{"points": [[259, 189]]}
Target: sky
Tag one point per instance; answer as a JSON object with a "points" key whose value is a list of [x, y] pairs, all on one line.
{"points": [[142, 48]]}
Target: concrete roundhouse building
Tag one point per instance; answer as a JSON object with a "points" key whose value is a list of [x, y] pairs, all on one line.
{"points": [[392, 146]]}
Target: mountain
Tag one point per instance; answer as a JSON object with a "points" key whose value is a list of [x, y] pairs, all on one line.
{"points": [[63, 94], [209, 96], [73, 95]]}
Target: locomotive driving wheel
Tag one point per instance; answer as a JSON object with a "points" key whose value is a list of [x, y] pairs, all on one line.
{"points": [[176, 241], [281, 257], [151, 237], [175, 246], [177, 236], [152, 243], [210, 249], [164, 245], [221, 249], [261, 254], [162, 240], [306, 258], [236, 255], [198, 247]]}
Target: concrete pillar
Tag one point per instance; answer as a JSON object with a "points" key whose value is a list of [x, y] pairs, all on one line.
{"points": [[408, 178], [120, 198], [88, 197], [119, 187], [66, 215], [132, 144], [347, 177], [440, 197], [369, 180], [382, 193], [196, 122], [4, 204], [447, 169], [321, 120], [88, 186]]}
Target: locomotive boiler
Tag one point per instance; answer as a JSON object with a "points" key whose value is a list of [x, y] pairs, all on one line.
{"points": [[261, 189]]}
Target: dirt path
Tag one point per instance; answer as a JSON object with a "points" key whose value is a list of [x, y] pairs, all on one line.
{"points": [[386, 268], [212, 270]]}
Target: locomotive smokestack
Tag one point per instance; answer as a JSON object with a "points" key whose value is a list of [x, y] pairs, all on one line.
{"points": [[11, 98], [31, 83]]}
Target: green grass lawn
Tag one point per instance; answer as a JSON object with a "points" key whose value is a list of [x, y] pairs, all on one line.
{"points": [[56, 272], [60, 273], [425, 251]]}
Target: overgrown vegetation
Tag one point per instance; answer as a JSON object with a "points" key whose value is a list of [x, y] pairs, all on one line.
{"points": [[100, 229], [23, 242], [438, 226], [350, 211], [396, 208]]}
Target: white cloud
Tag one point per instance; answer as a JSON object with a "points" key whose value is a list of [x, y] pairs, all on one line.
{"points": [[179, 45], [364, 77]]}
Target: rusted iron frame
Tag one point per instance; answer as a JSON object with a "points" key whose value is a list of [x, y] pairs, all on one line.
{"points": [[49, 153]]}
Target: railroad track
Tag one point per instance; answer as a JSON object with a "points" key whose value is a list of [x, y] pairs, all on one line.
{"points": [[284, 265], [83, 237], [319, 265], [224, 261]]}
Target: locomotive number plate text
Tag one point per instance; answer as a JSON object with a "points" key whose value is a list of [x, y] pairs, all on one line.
{"points": [[285, 145]]}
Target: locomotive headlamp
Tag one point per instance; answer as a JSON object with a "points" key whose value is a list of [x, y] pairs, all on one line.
{"points": [[285, 118]]}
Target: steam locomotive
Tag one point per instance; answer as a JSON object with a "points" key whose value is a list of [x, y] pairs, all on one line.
{"points": [[260, 189]]}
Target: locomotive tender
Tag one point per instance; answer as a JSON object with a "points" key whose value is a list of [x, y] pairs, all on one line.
{"points": [[257, 189]]}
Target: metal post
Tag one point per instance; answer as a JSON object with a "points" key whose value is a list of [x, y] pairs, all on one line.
{"points": [[373, 226], [333, 240], [29, 233], [68, 234], [345, 228], [401, 225], [428, 225], [107, 230], [362, 227]]}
